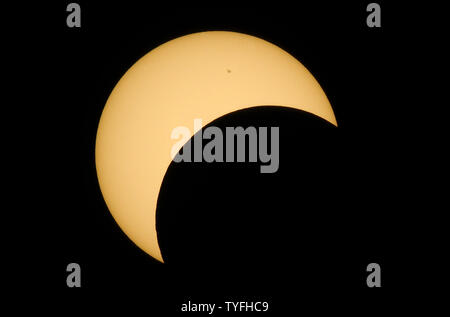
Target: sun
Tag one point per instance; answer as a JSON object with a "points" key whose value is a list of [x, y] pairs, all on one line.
{"points": [[202, 75]]}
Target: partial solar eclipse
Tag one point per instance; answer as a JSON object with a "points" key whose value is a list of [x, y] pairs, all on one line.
{"points": [[202, 75]]}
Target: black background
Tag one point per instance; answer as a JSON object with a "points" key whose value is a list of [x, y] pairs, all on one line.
{"points": [[368, 193]]}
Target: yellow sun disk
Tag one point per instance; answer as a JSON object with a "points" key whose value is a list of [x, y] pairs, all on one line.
{"points": [[203, 75]]}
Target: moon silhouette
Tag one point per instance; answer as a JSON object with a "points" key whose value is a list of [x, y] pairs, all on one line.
{"points": [[202, 75]]}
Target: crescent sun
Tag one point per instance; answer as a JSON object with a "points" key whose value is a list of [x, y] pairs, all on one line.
{"points": [[202, 75]]}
